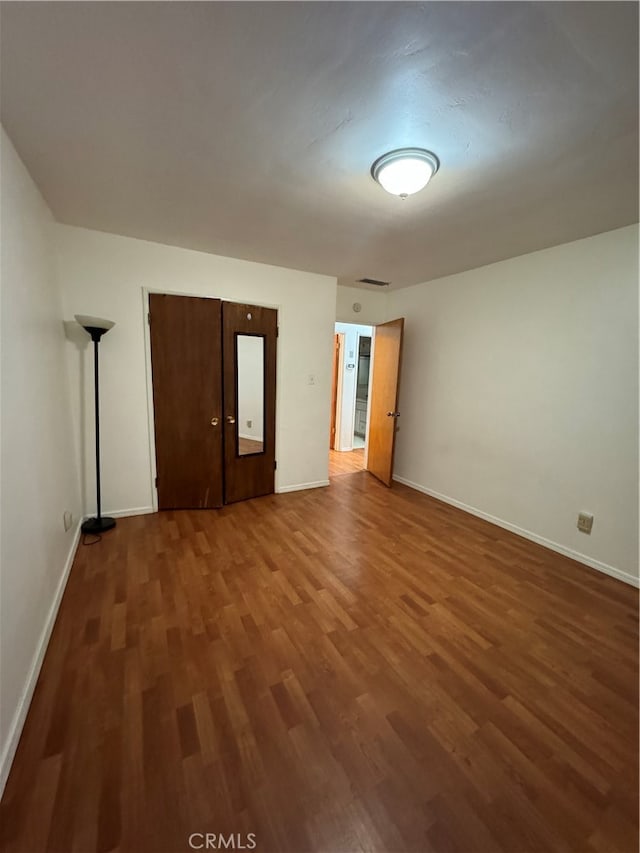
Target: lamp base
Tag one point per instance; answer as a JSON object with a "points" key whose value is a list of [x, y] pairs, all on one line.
{"points": [[98, 525]]}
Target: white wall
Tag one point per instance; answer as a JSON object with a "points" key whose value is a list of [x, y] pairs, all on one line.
{"points": [[519, 393], [38, 471], [104, 275], [347, 383], [373, 305]]}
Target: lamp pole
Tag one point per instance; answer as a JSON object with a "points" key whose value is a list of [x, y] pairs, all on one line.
{"points": [[96, 329]]}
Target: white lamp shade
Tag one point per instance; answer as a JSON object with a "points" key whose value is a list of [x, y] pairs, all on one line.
{"points": [[406, 171], [94, 322]]}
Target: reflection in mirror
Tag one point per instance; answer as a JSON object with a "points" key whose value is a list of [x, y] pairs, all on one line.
{"points": [[250, 421]]}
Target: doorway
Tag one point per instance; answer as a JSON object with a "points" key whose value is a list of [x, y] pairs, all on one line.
{"points": [[213, 367], [364, 414], [363, 373], [350, 398]]}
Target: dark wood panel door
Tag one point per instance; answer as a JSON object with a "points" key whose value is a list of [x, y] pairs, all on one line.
{"points": [[387, 352], [186, 360], [249, 334]]}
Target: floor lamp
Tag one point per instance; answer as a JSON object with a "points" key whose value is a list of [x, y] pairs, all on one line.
{"points": [[96, 327]]}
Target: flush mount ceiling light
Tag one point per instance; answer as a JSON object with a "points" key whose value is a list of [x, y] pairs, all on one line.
{"points": [[405, 171]]}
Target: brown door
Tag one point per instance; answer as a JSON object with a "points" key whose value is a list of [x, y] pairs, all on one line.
{"points": [[387, 353], [186, 358], [334, 390], [249, 335]]}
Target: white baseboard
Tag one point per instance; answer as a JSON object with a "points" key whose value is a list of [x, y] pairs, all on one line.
{"points": [[125, 513], [15, 730], [121, 513], [301, 486], [526, 534]]}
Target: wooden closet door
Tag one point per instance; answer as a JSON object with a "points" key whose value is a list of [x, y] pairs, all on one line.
{"points": [[186, 359], [249, 334]]}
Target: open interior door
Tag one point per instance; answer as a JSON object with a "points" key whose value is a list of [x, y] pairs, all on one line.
{"points": [[387, 354]]}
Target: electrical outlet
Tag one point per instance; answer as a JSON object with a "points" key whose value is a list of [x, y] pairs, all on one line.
{"points": [[249, 424], [67, 520], [585, 522]]}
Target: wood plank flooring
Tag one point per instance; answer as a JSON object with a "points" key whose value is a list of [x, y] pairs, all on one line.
{"points": [[345, 462], [348, 668]]}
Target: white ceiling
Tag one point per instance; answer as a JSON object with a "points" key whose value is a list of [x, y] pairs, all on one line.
{"points": [[248, 129]]}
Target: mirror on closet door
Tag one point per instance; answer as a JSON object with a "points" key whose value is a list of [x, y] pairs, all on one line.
{"points": [[250, 417]]}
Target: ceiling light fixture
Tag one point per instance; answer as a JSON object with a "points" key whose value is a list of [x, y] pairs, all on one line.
{"points": [[405, 171]]}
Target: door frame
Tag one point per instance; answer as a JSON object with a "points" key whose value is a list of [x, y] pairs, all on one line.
{"points": [[369, 395], [338, 400], [335, 376], [151, 433], [369, 389], [340, 414]]}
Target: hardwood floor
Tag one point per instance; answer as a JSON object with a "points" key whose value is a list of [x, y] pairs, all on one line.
{"points": [[349, 668], [346, 462]]}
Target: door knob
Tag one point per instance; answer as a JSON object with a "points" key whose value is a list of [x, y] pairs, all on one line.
{"points": [[215, 421], [231, 419], [393, 414]]}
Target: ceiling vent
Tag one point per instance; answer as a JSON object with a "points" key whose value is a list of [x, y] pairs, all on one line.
{"points": [[375, 281]]}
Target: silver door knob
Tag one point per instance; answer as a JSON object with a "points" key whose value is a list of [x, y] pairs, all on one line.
{"points": [[215, 421], [231, 419], [393, 414]]}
